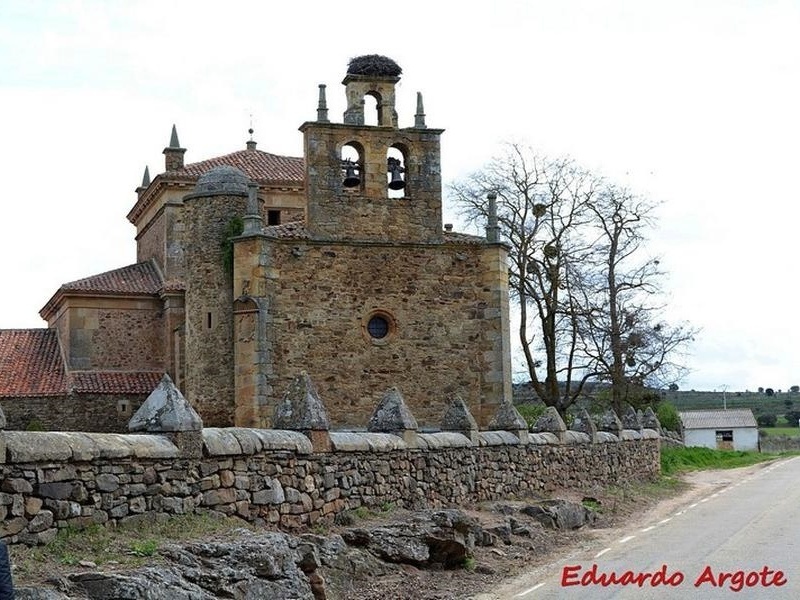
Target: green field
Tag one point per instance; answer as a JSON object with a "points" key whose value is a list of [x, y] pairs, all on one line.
{"points": [[787, 431]]}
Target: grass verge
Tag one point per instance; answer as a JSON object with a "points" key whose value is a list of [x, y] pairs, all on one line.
{"points": [[680, 460]]}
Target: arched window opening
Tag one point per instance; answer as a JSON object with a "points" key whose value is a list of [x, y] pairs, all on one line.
{"points": [[396, 172], [372, 109], [352, 164]]}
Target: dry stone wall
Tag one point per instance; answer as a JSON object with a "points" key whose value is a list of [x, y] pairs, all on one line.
{"points": [[51, 480]]}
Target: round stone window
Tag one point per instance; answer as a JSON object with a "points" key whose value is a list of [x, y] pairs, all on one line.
{"points": [[378, 327]]}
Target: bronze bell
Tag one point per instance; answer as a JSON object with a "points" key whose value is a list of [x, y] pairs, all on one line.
{"points": [[395, 168], [351, 178]]}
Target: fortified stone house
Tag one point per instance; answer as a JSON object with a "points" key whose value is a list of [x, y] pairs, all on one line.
{"points": [[336, 263]]}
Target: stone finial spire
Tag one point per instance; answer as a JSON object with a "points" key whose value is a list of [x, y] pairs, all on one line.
{"points": [[392, 416], [419, 118], [322, 106], [251, 143], [492, 230], [458, 418], [173, 138], [507, 418], [145, 181], [253, 223], [174, 153]]}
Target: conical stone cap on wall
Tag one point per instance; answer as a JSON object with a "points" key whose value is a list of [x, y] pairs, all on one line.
{"points": [[507, 418], [550, 421], [165, 410], [392, 415], [630, 420], [650, 420], [300, 408], [610, 422], [458, 417], [583, 423]]}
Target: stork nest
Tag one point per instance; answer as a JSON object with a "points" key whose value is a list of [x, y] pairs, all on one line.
{"points": [[373, 64]]}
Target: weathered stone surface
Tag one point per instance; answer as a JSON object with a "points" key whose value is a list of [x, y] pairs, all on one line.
{"points": [[550, 421], [507, 418], [392, 415], [458, 418], [301, 407], [650, 420], [32, 446], [631, 420], [610, 422], [278, 439], [560, 514], [584, 423], [165, 410], [444, 439], [576, 437], [498, 438], [220, 442], [444, 538]]}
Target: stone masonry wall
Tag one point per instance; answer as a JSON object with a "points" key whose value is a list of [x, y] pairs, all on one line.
{"points": [[50, 481], [366, 212], [447, 304], [73, 412]]}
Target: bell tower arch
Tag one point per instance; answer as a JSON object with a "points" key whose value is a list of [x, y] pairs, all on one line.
{"points": [[393, 190]]}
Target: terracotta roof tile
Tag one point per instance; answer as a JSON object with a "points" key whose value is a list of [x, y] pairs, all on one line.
{"points": [[295, 230], [30, 363], [112, 382], [257, 165], [141, 278]]}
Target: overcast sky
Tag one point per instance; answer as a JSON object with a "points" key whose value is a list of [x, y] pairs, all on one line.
{"points": [[692, 103]]}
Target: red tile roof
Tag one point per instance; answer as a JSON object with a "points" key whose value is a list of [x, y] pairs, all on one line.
{"points": [[141, 278], [257, 165], [112, 382], [293, 230], [30, 363]]}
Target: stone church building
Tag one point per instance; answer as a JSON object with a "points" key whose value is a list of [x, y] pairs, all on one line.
{"points": [[252, 267]]}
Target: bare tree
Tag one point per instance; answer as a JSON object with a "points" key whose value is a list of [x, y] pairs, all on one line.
{"points": [[587, 297], [624, 336], [542, 204]]}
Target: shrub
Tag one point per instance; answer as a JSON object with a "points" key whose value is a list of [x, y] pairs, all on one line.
{"points": [[668, 416], [531, 412], [767, 420]]}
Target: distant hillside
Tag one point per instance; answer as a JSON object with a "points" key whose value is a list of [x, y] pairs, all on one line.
{"points": [[759, 403], [693, 400]]}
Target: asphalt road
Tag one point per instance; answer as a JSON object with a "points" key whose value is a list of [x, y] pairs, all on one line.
{"points": [[740, 541]]}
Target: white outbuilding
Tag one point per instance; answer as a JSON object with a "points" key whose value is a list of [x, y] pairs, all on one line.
{"points": [[729, 429]]}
